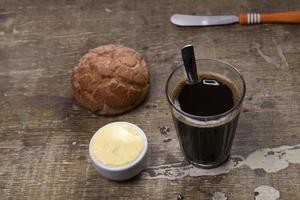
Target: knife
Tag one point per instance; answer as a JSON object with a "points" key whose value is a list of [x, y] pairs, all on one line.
{"points": [[290, 17]]}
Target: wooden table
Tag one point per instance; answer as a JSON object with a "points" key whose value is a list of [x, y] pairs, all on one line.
{"points": [[44, 133]]}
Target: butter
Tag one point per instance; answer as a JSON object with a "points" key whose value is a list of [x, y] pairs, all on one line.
{"points": [[117, 144]]}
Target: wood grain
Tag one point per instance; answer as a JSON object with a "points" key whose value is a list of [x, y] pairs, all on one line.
{"points": [[44, 133]]}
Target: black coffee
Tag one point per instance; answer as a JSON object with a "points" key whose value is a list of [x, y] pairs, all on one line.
{"points": [[208, 145]]}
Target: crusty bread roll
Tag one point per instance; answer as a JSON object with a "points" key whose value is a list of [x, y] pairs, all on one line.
{"points": [[110, 79]]}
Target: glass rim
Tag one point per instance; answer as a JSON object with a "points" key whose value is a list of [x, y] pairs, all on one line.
{"points": [[211, 117]]}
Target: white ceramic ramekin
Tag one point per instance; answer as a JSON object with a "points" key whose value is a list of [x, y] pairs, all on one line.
{"points": [[125, 172]]}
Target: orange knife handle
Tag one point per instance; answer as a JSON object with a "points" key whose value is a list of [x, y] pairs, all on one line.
{"points": [[290, 17]]}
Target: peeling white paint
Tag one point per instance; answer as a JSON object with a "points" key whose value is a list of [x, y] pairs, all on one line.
{"points": [[219, 196], [266, 192], [284, 64], [107, 10], [270, 160], [273, 160], [15, 31], [293, 156], [280, 63], [268, 59]]}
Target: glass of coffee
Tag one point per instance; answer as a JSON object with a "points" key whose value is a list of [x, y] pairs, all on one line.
{"points": [[206, 113]]}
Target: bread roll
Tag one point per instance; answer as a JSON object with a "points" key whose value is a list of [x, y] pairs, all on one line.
{"points": [[110, 79]]}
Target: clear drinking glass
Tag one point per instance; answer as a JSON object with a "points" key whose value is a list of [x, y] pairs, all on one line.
{"points": [[206, 140]]}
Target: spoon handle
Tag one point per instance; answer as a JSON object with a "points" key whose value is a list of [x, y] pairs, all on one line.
{"points": [[290, 17], [189, 62]]}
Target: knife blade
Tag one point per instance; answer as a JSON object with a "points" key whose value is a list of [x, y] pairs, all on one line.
{"points": [[196, 20], [289, 17]]}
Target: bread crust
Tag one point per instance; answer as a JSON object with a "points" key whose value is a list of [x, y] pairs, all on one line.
{"points": [[111, 79]]}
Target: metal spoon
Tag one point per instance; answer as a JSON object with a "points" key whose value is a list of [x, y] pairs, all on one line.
{"points": [[189, 62]]}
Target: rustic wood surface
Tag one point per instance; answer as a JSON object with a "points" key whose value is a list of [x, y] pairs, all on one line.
{"points": [[44, 133]]}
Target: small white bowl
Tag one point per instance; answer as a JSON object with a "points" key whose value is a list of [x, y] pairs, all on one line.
{"points": [[125, 172]]}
